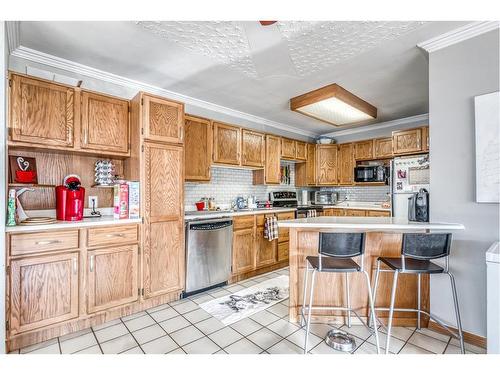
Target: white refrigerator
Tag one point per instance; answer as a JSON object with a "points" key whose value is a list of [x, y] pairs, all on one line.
{"points": [[409, 175]]}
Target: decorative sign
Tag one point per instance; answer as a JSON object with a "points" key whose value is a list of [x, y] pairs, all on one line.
{"points": [[23, 170], [487, 116]]}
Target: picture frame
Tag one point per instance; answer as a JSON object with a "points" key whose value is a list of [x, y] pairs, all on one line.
{"points": [[22, 170]]}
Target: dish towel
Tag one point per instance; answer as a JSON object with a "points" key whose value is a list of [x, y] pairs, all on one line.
{"points": [[311, 213], [271, 228]]}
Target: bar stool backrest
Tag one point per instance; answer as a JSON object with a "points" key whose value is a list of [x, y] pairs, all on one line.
{"points": [[342, 245], [426, 246]]}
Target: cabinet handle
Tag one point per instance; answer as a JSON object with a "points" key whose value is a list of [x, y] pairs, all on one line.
{"points": [[47, 242], [115, 235], [92, 263], [75, 266]]}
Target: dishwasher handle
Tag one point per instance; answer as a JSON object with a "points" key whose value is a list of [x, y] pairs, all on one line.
{"points": [[211, 225]]}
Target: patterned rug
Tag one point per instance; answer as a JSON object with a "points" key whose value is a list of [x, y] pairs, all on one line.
{"points": [[240, 305]]}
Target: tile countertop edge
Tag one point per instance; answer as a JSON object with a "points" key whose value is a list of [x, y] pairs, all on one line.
{"points": [[370, 223], [85, 223]]}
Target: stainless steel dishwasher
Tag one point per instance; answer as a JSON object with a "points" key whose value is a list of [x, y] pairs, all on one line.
{"points": [[208, 253]]}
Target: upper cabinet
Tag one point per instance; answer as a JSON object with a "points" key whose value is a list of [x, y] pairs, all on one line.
{"points": [[345, 164], [407, 141], [300, 150], [163, 119], [425, 138], [363, 150], [326, 164], [252, 148], [227, 144], [198, 148], [273, 152], [382, 148], [41, 112], [287, 148], [105, 123]]}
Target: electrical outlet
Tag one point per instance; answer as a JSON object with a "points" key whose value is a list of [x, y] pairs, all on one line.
{"points": [[93, 203]]}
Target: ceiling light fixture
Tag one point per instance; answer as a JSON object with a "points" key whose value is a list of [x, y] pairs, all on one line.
{"points": [[333, 104]]}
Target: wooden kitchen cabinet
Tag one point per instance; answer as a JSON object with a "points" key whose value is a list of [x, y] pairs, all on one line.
{"points": [[346, 164], [326, 165], [305, 173], [198, 148], [227, 144], [163, 268], [163, 120], [42, 113], [104, 123], [43, 291], [266, 251], [376, 213], [425, 138], [252, 148], [300, 151], [407, 141], [363, 150], [355, 212], [243, 250], [283, 251], [112, 277], [383, 148], [271, 173], [288, 149]]}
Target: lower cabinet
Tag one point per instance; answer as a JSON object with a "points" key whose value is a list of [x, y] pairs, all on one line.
{"points": [[112, 277], [265, 249], [44, 291], [243, 250], [283, 248], [355, 213]]}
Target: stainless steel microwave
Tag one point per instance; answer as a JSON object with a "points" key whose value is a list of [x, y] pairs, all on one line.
{"points": [[371, 173]]}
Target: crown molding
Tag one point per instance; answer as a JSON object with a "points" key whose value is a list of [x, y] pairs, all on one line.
{"points": [[458, 35], [13, 35], [381, 125], [84, 70]]}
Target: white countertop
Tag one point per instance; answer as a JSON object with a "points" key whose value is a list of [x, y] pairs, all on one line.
{"points": [[375, 206], [493, 253], [195, 215], [91, 222], [369, 223]]}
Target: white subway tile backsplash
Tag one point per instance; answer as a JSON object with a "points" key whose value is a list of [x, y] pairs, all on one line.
{"points": [[362, 193]]}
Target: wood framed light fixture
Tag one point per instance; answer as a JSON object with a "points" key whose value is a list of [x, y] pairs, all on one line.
{"points": [[333, 104]]}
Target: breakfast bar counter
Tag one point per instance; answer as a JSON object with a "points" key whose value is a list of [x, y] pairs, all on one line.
{"points": [[383, 238]]}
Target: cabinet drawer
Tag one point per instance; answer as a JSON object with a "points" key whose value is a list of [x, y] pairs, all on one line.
{"points": [[242, 222], [286, 215], [111, 235], [30, 243], [260, 220]]}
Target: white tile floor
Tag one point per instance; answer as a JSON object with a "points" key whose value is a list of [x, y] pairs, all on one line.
{"points": [[182, 327]]}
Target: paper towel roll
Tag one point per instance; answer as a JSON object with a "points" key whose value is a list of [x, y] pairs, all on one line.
{"points": [[305, 195]]}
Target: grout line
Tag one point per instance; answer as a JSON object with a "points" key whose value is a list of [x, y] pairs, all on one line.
{"points": [[98, 343], [59, 344], [130, 333]]}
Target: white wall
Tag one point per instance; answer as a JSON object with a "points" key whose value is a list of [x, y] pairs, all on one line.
{"points": [[3, 127], [457, 73]]}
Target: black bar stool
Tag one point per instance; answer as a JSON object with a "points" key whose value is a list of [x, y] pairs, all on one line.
{"points": [[416, 252], [335, 254]]}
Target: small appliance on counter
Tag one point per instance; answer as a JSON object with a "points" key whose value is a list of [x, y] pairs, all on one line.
{"points": [[418, 206], [70, 198], [324, 197]]}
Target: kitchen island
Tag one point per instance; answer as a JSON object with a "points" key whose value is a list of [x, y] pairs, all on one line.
{"points": [[384, 236]]}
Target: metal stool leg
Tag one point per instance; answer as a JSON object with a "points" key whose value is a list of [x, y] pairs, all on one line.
{"points": [[418, 300], [374, 294], [306, 274], [348, 299], [372, 309], [457, 312], [391, 311], [308, 326]]}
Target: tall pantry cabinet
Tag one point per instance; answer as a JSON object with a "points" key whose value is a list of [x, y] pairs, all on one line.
{"points": [[157, 161]]}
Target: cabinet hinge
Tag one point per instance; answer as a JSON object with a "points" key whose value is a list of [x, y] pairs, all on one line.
{"points": [[142, 131], [10, 82], [142, 148], [7, 270], [142, 101], [139, 291], [7, 325], [142, 292]]}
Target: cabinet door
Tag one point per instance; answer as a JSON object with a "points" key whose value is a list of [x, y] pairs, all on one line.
{"points": [[112, 277], [273, 152], [227, 144], [425, 138], [252, 148], [265, 249], [287, 148], [407, 141], [43, 291], [105, 125], [284, 233], [346, 164], [311, 165], [383, 148], [163, 120], [327, 164], [198, 148], [300, 150], [283, 249], [243, 251], [163, 256], [355, 213], [376, 213], [338, 212], [363, 150], [42, 113]]}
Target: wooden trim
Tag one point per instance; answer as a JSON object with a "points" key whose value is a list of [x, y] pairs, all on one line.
{"points": [[331, 91], [470, 338]]}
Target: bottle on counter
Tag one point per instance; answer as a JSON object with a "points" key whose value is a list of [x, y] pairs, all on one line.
{"points": [[11, 208]]}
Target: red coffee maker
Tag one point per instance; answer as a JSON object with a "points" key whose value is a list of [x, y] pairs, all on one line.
{"points": [[70, 198]]}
